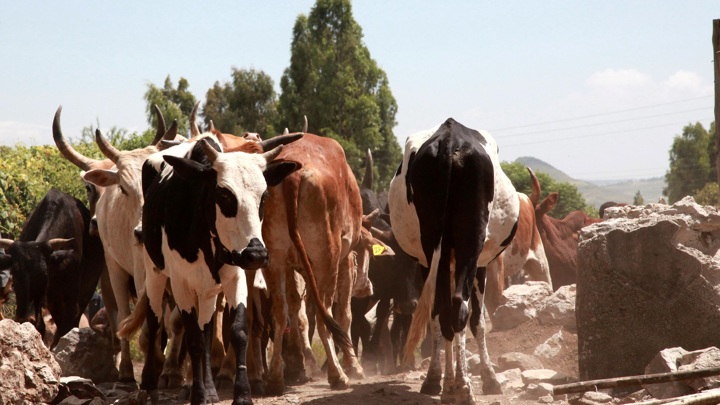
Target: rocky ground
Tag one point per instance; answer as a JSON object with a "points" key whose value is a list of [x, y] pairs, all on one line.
{"points": [[404, 388]]}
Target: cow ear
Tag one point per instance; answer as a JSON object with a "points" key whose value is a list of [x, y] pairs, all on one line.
{"points": [[102, 178], [379, 248], [186, 168], [5, 261], [277, 170]]}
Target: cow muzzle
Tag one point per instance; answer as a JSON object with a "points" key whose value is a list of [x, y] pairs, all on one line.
{"points": [[406, 307], [253, 257]]}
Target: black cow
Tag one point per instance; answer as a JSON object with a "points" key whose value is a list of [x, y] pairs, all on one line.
{"points": [[452, 208], [55, 262], [395, 278]]}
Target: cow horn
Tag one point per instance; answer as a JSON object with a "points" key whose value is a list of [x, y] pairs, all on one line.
{"points": [[66, 149], [382, 235], [194, 130], [306, 125], [211, 153], [535, 184], [106, 148], [5, 243], [368, 179], [171, 133], [369, 219], [273, 143], [160, 125], [60, 243], [286, 131], [273, 153], [212, 126]]}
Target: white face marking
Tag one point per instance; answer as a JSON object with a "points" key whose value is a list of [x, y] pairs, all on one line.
{"points": [[242, 174]]}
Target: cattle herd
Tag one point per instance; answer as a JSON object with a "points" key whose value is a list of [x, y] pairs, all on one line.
{"points": [[225, 243]]}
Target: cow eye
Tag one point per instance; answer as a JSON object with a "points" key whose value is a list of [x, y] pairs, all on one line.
{"points": [[122, 190], [227, 202]]}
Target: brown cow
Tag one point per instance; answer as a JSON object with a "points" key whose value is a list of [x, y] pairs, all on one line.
{"points": [[560, 237], [314, 225], [525, 253]]}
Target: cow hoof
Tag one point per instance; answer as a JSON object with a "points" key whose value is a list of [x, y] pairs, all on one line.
{"points": [[464, 396], [223, 382], [212, 397], [430, 387], [170, 381], [492, 387], [448, 396], [275, 388], [356, 373], [184, 393], [257, 387], [339, 383], [154, 397], [243, 401]]}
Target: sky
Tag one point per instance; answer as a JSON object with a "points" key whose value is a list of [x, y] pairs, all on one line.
{"points": [[598, 89]]}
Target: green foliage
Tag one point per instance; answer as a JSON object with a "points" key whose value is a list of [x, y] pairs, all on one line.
{"points": [[333, 80], [570, 198], [708, 195], [175, 103], [692, 162], [245, 104], [638, 199]]}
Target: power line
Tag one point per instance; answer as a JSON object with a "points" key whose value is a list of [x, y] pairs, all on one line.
{"points": [[603, 123], [602, 114], [600, 134]]}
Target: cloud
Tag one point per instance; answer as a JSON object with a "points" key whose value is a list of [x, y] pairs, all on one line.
{"points": [[13, 132], [618, 79]]}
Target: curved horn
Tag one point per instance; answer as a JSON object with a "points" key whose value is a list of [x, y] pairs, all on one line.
{"points": [[66, 149], [194, 130], [272, 154], [368, 178], [106, 148], [5, 243], [211, 153], [273, 143], [171, 133], [369, 219], [59, 243], [286, 132], [535, 184], [382, 235], [305, 126], [160, 125], [212, 126]]}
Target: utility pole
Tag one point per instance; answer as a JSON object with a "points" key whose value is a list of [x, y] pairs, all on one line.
{"points": [[716, 62]]}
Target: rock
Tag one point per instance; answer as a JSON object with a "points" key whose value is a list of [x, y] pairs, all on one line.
{"points": [[87, 353], [521, 361], [596, 397], [538, 391], [559, 308], [698, 360], [551, 347], [543, 376], [664, 362], [520, 303], [511, 381], [28, 371], [646, 281]]}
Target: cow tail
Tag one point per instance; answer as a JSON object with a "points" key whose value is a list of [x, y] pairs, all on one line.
{"points": [[132, 323], [291, 191]]}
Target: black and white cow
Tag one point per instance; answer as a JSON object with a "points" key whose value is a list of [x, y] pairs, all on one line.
{"points": [[452, 208], [201, 227], [54, 262]]}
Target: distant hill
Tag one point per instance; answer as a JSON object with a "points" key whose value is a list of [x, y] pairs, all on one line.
{"points": [[597, 192]]}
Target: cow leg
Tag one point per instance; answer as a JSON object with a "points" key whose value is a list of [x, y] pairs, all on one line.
{"points": [[256, 350], [375, 346], [149, 381], [463, 384], [295, 340], [306, 326], [398, 335], [217, 354], [343, 316], [276, 283], [431, 385], [360, 328], [448, 390], [119, 279], [172, 374], [235, 288], [195, 343], [336, 376], [491, 385]]}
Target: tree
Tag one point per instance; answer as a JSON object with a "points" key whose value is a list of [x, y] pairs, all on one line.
{"points": [[570, 198], [707, 195], [245, 104], [692, 158], [638, 199], [333, 80], [176, 103]]}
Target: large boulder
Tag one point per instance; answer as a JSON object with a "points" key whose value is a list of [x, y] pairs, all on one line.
{"points": [[559, 308], [28, 371], [647, 280], [520, 303], [83, 352]]}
